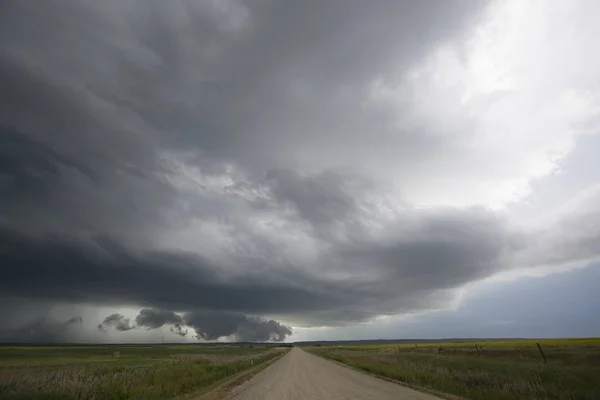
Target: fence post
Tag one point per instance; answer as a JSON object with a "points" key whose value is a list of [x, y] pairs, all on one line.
{"points": [[416, 347], [477, 348], [542, 352]]}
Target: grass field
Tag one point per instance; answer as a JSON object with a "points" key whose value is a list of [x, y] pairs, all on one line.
{"points": [[490, 371], [128, 372]]}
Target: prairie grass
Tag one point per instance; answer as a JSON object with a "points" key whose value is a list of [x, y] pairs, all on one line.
{"points": [[153, 372], [529, 343], [499, 371]]}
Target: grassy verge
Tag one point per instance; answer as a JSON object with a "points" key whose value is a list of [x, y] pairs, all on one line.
{"points": [[156, 372], [222, 389], [494, 373]]}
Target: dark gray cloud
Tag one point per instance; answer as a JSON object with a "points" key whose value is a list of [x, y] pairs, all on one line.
{"points": [[210, 325], [237, 159], [93, 106], [43, 330], [95, 114], [262, 330], [318, 199], [33, 169], [152, 318], [86, 271], [213, 325], [433, 253], [415, 268], [116, 321], [178, 329]]}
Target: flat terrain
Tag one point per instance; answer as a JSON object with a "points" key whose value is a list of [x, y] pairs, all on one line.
{"points": [[121, 372], [503, 370], [299, 375], [486, 370]]}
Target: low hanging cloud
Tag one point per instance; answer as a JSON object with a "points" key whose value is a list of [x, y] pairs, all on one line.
{"points": [[400, 275], [43, 330], [261, 330], [211, 325], [117, 322], [178, 329], [151, 319], [413, 266]]}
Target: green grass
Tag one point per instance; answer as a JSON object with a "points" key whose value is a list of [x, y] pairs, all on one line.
{"points": [[584, 342], [57, 355], [501, 370], [139, 372]]}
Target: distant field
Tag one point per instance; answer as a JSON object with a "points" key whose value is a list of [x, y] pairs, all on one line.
{"points": [[586, 342], [128, 372], [500, 370]]}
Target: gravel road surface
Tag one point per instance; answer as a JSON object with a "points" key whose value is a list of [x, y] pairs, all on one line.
{"points": [[299, 375]]}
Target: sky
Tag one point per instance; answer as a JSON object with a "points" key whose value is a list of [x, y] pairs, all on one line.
{"points": [[261, 170]]}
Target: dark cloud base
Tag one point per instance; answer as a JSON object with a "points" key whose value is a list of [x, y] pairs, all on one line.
{"points": [[42, 330], [102, 272], [208, 325], [116, 321], [405, 275]]}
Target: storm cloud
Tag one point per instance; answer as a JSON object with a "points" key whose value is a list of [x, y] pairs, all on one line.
{"points": [[238, 169], [152, 319], [429, 254], [116, 321], [208, 325], [179, 330], [43, 330], [213, 325]]}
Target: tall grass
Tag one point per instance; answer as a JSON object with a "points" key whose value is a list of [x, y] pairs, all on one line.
{"points": [[497, 373], [150, 379], [504, 344]]}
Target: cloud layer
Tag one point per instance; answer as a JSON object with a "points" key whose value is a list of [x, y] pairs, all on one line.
{"points": [[208, 325], [355, 282], [237, 168], [116, 321], [43, 330]]}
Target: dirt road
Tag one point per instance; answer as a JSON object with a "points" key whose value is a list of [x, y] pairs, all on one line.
{"points": [[299, 375]]}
